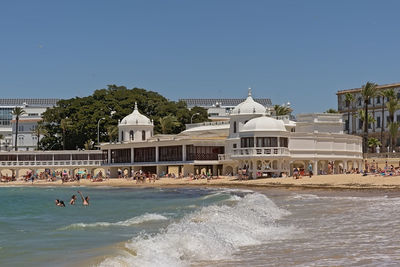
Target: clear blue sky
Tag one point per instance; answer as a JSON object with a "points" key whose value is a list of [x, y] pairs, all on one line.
{"points": [[297, 51]]}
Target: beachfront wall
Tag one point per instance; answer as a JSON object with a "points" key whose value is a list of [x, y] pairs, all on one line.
{"points": [[20, 162], [320, 148]]}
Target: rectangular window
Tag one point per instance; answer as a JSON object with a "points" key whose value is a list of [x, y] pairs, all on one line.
{"points": [[119, 155], [398, 118], [170, 153], [346, 123], [378, 122], [360, 124], [247, 142], [387, 121], [203, 152], [145, 154], [359, 101], [378, 100]]}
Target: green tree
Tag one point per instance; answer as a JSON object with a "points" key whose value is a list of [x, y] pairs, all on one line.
{"points": [[65, 125], [373, 143], [361, 115], [281, 110], [332, 111], [168, 123], [368, 91], [1, 139], [112, 132], [393, 131], [385, 94], [86, 111], [89, 145], [17, 112], [39, 131], [349, 99]]}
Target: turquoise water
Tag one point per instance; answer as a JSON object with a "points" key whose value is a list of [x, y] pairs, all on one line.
{"points": [[33, 229], [199, 227]]}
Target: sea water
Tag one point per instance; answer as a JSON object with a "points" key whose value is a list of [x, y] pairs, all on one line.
{"points": [[198, 227]]}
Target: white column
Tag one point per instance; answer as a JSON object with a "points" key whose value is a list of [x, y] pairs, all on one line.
{"points": [[156, 153], [132, 155], [109, 156], [315, 167], [345, 165], [254, 174], [183, 152]]}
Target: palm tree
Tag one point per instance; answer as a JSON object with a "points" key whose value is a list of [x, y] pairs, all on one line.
{"points": [[112, 132], [349, 99], [373, 143], [393, 130], [281, 110], [39, 131], [65, 124], [17, 112], [1, 138], [368, 91], [332, 111], [361, 115], [384, 94], [168, 123], [89, 144], [392, 105]]}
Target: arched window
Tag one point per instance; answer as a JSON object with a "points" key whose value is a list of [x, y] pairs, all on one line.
{"points": [[131, 135], [234, 127], [122, 136], [143, 135]]}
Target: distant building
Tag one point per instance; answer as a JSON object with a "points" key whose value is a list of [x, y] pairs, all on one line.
{"points": [[34, 107], [221, 108], [354, 126], [252, 144]]}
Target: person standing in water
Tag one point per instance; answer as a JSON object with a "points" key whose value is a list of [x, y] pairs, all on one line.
{"points": [[73, 199], [85, 201]]}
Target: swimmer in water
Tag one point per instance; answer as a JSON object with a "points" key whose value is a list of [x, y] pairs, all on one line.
{"points": [[73, 199], [85, 201], [60, 203]]}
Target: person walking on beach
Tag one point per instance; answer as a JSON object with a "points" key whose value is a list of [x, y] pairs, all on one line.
{"points": [[85, 201], [310, 172]]}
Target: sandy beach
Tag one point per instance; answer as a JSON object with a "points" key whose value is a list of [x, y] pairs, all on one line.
{"points": [[340, 181]]}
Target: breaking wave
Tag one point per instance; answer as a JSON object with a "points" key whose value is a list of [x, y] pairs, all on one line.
{"points": [[212, 233], [132, 221]]}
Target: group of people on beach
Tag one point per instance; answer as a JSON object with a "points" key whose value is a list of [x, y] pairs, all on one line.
{"points": [[85, 200], [387, 170]]}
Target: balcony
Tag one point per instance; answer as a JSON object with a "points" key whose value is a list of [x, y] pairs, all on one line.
{"points": [[224, 157], [261, 152]]}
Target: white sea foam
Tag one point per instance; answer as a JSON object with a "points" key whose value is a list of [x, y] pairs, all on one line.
{"points": [[212, 233], [132, 221]]}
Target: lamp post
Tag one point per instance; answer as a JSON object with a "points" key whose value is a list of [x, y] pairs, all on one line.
{"points": [[191, 119], [98, 130]]}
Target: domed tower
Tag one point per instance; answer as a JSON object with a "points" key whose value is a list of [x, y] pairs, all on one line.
{"points": [[244, 112], [135, 127]]}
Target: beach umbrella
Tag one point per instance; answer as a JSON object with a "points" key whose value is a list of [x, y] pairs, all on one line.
{"points": [[80, 172]]}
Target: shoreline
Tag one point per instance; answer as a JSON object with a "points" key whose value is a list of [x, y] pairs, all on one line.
{"points": [[324, 182]]}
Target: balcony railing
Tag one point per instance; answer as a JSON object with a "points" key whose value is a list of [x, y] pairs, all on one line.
{"points": [[50, 163], [261, 151], [223, 157]]}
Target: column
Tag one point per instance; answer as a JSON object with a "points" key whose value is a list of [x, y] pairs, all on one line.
{"points": [[109, 156], [315, 167], [156, 153], [254, 174], [183, 152], [132, 156], [345, 166]]}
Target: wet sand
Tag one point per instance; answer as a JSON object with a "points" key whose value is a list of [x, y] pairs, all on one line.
{"points": [[342, 181]]}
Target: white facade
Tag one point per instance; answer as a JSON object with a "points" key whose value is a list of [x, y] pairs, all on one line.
{"points": [[26, 138], [252, 141]]}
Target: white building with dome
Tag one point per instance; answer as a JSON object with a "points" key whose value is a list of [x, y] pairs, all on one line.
{"points": [[252, 140]]}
